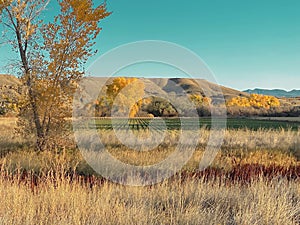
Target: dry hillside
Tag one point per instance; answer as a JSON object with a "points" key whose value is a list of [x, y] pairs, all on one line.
{"points": [[10, 91]]}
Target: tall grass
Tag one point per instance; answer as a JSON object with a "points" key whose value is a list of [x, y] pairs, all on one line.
{"points": [[236, 138], [60, 201], [243, 146]]}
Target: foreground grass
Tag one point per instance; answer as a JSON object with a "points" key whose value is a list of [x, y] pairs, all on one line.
{"points": [[52, 193], [62, 201]]}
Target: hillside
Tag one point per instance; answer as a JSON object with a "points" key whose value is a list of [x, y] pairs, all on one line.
{"points": [[275, 92], [8, 80], [175, 85], [181, 86], [10, 91]]}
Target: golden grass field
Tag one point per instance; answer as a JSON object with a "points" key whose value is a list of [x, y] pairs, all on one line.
{"points": [[254, 179]]}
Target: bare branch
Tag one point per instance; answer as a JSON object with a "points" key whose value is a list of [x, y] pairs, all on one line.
{"points": [[11, 18]]}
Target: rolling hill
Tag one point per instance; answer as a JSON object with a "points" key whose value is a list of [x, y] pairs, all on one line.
{"points": [[11, 86], [178, 86]]}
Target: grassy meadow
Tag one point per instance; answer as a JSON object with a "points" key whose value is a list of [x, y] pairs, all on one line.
{"points": [[254, 179]]}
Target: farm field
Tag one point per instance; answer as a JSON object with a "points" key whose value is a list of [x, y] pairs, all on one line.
{"points": [[195, 123], [254, 179]]}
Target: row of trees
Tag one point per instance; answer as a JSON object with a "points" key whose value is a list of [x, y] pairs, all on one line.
{"points": [[256, 101], [124, 97], [253, 105]]}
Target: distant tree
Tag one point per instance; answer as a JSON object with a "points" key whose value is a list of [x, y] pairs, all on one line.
{"points": [[160, 107], [125, 93], [199, 100], [8, 104], [52, 57]]}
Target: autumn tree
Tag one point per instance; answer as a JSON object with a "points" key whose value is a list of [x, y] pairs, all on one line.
{"points": [[52, 57], [123, 94]]}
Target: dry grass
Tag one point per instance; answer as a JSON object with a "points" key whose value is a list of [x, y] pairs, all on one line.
{"points": [[9, 141], [51, 193], [246, 139], [264, 147], [191, 202]]}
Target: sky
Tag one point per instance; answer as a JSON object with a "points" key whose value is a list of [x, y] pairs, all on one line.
{"points": [[246, 44]]}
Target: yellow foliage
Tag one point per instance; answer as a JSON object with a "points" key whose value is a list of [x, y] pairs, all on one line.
{"points": [[199, 100], [255, 100], [9, 104], [126, 92], [118, 84], [4, 3]]}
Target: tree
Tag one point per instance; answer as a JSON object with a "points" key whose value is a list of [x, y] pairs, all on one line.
{"points": [[52, 57], [125, 93], [161, 107]]}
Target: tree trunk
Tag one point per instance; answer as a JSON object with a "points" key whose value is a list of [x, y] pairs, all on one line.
{"points": [[40, 142]]}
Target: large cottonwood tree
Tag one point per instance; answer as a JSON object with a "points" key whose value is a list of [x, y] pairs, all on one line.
{"points": [[52, 57]]}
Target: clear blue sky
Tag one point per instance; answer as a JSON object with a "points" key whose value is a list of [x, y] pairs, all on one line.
{"points": [[246, 44]]}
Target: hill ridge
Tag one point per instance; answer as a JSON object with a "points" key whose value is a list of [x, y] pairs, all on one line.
{"points": [[274, 92]]}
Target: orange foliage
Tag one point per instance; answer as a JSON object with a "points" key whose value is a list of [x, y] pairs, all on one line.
{"points": [[118, 84], [132, 96], [255, 100]]}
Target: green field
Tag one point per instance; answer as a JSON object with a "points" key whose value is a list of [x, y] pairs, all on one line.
{"points": [[192, 123]]}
